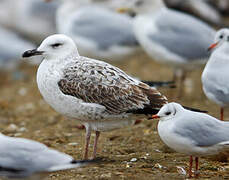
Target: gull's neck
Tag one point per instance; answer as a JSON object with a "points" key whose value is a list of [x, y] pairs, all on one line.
{"points": [[219, 57], [62, 57], [223, 49]]}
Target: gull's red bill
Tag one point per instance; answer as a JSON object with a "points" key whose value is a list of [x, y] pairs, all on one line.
{"points": [[213, 46], [155, 117]]}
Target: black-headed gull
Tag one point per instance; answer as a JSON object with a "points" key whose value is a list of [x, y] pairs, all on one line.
{"points": [[22, 158], [215, 77], [192, 133], [100, 96], [171, 37]]}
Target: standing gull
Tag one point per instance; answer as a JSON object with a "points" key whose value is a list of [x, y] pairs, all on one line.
{"points": [[22, 158], [192, 133], [215, 77], [100, 96], [98, 31], [171, 37]]}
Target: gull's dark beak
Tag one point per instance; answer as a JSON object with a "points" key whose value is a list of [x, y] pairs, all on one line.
{"points": [[33, 52]]}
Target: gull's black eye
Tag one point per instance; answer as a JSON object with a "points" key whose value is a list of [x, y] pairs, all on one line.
{"points": [[221, 36], [167, 113], [56, 45]]}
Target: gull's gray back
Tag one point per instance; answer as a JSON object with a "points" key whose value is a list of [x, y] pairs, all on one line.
{"points": [[104, 27], [21, 157], [183, 34], [202, 130]]}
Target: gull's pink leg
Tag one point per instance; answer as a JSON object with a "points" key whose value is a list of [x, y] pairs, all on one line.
{"points": [[197, 167], [80, 126], [190, 167], [87, 141], [181, 85], [137, 122], [97, 133], [221, 113]]}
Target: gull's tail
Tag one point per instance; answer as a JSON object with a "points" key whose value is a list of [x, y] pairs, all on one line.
{"points": [[71, 165]]}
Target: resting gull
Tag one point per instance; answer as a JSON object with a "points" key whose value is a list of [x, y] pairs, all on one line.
{"points": [[22, 158]]}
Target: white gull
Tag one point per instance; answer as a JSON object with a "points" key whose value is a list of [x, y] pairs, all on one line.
{"points": [[215, 77], [192, 133], [171, 37], [22, 158]]}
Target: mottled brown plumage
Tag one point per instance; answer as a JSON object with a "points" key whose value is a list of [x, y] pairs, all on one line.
{"points": [[109, 86]]}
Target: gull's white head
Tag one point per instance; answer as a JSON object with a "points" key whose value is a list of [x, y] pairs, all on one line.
{"points": [[54, 46], [221, 37], [169, 111]]}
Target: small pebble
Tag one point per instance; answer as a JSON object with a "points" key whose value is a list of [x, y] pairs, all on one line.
{"points": [[17, 134], [108, 175], [73, 144], [12, 128], [22, 91], [133, 160], [181, 170], [157, 165], [22, 129]]}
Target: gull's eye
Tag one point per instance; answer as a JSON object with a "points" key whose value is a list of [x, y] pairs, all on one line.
{"points": [[221, 36], [56, 45], [167, 113]]}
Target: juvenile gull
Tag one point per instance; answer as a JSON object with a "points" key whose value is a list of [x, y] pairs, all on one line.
{"points": [[215, 77], [22, 158], [171, 37], [98, 31], [100, 96], [192, 133]]}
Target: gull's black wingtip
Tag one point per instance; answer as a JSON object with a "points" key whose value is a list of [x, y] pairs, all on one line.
{"points": [[195, 110], [87, 161]]}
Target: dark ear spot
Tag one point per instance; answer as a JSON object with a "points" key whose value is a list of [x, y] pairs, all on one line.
{"points": [[167, 113]]}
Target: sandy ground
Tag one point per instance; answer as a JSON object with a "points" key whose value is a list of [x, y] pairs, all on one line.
{"points": [[129, 153]]}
